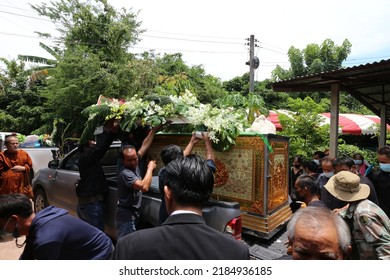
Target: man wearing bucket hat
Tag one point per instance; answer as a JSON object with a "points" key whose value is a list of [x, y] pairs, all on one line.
{"points": [[370, 226]]}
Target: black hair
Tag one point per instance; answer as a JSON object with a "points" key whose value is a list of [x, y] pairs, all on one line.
{"points": [[311, 165], [321, 154], [343, 161], [136, 136], [385, 150], [356, 155], [298, 158], [190, 179], [124, 148], [308, 182], [170, 152], [15, 204]]}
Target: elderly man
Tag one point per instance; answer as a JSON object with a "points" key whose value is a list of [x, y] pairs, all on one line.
{"points": [[369, 224], [184, 235], [15, 168], [316, 233]]}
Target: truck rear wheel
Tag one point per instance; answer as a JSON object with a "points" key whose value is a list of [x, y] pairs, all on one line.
{"points": [[40, 200]]}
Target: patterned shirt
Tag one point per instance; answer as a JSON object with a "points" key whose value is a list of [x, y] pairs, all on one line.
{"points": [[370, 230]]}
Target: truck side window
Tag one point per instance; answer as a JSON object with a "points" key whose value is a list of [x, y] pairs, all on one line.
{"points": [[71, 162], [109, 161], [110, 157]]}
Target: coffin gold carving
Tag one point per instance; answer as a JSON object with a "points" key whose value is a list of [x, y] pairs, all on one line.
{"points": [[253, 172]]}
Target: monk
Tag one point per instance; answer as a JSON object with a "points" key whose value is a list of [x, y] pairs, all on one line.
{"points": [[15, 168]]}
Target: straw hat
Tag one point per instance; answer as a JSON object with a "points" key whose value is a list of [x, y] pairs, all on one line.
{"points": [[346, 186]]}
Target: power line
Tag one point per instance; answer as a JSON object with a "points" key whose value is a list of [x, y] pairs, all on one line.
{"points": [[283, 50], [273, 50], [135, 47], [20, 23], [14, 7], [190, 40], [194, 35], [194, 51], [163, 37], [19, 15], [348, 61], [26, 36]]}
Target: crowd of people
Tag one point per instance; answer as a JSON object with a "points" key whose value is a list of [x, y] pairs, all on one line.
{"points": [[341, 208], [186, 184]]}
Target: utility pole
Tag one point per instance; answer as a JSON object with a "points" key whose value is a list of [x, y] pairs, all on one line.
{"points": [[253, 62]]}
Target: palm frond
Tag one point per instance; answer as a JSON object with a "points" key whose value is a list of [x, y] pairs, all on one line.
{"points": [[37, 59], [99, 113], [49, 50], [159, 99]]}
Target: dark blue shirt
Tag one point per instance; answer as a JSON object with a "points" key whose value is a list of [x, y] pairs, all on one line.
{"points": [[56, 235]]}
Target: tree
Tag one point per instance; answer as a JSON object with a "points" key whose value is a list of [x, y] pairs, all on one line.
{"points": [[314, 59], [94, 58], [311, 60], [175, 77], [21, 105], [274, 100], [238, 84], [303, 127]]}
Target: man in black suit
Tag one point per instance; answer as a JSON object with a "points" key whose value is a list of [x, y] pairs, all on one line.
{"points": [[184, 235]]}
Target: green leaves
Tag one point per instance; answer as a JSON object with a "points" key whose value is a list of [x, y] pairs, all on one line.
{"points": [[223, 124], [303, 127]]}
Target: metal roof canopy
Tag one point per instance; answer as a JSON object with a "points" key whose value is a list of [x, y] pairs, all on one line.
{"points": [[368, 83]]}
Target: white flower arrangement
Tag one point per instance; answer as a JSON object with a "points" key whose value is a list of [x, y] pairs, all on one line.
{"points": [[223, 125]]}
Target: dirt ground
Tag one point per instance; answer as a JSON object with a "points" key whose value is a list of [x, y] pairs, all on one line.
{"points": [[9, 251]]}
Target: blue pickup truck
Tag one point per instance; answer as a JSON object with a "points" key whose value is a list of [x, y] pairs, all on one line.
{"points": [[55, 185]]}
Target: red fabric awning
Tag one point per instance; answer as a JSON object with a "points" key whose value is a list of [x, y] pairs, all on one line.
{"points": [[348, 123], [274, 118]]}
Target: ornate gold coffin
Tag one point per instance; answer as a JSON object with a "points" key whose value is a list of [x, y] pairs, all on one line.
{"points": [[253, 172]]}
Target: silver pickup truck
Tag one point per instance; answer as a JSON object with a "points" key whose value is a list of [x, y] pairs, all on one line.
{"points": [[41, 156], [55, 185]]}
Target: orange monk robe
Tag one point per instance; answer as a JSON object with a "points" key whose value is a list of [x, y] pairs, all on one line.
{"points": [[11, 181]]}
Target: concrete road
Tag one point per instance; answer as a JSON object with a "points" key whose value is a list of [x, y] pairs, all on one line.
{"points": [[9, 251]]}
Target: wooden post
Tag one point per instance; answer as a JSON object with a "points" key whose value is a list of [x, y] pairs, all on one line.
{"points": [[334, 119], [383, 126], [251, 67]]}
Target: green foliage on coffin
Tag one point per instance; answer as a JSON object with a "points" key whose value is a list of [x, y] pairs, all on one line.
{"points": [[223, 125]]}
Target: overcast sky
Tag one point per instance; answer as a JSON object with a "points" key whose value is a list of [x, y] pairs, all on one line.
{"points": [[213, 33]]}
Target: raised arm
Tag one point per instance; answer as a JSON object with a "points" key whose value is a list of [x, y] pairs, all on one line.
{"points": [[148, 141], [144, 184], [209, 148], [193, 141]]}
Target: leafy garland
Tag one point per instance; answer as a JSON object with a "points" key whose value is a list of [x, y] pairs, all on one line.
{"points": [[223, 125]]}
